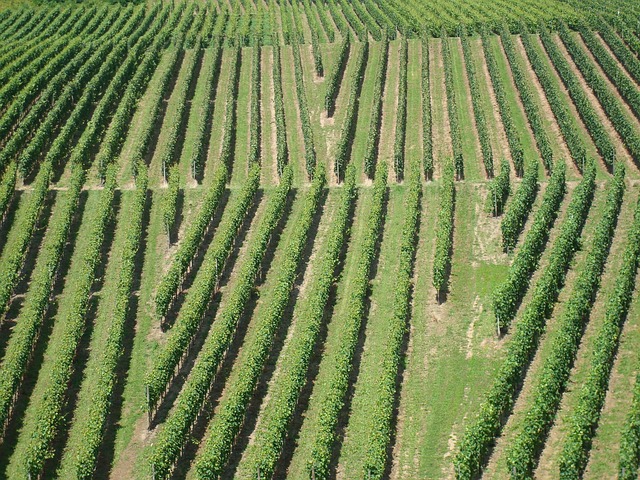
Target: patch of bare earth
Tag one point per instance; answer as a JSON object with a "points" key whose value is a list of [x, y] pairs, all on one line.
{"points": [[621, 151], [556, 134], [502, 143]]}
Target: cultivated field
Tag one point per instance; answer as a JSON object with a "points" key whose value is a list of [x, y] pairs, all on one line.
{"points": [[320, 239]]}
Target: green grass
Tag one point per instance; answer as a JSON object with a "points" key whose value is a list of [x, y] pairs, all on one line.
{"points": [[366, 390], [298, 467], [452, 352], [243, 119], [473, 165], [413, 141]]}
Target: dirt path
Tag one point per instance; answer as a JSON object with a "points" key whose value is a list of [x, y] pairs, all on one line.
{"points": [[548, 465], [442, 147], [497, 466], [499, 139], [557, 140], [621, 151]]}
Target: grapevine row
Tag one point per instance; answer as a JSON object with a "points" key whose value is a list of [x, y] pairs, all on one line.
{"points": [[561, 112], [531, 108], [513, 136], [401, 111], [282, 149], [586, 414], [181, 264], [481, 434], [452, 108], [580, 100], [200, 293], [255, 127], [381, 419], [332, 397], [523, 453], [427, 125], [343, 149], [630, 443], [499, 189], [519, 208], [509, 294], [478, 112], [444, 233], [307, 132], [620, 50], [173, 434], [373, 135], [335, 76], [284, 391], [231, 410]]}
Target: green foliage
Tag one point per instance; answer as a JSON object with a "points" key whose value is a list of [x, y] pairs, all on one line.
{"points": [[401, 113], [586, 415], [282, 150], [307, 132], [200, 293], [528, 98], [427, 139], [452, 107], [343, 149], [519, 208], [335, 76], [499, 189], [580, 100], [381, 420], [630, 443], [170, 199], [373, 135], [478, 112], [173, 434], [255, 131], [181, 264], [513, 135], [507, 297], [264, 452], [480, 436], [444, 233], [230, 414], [547, 393]]}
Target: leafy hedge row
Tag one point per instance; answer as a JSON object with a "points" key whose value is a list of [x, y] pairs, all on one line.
{"points": [[480, 436], [452, 107], [531, 108], [401, 113], [620, 50], [612, 106], [586, 110], [201, 292], [625, 86], [170, 199], [23, 338], [174, 124], [7, 189], [335, 76], [563, 115], [513, 135], [444, 233], [230, 114], [282, 150], [373, 135], [499, 189], [170, 283], [118, 127], [285, 389], [326, 22], [47, 403], [427, 139], [509, 294], [524, 451], [387, 27], [352, 19], [317, 54], [478, 112], [630, 443], [87, 431], [338, 19], [173, 434], [345, 143], [367, 20], [381, 419], [519, 208], [586, 414], [307, 132], [231, 410], [95, 75], [334, 390], [255, 129], [20, 235]]}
